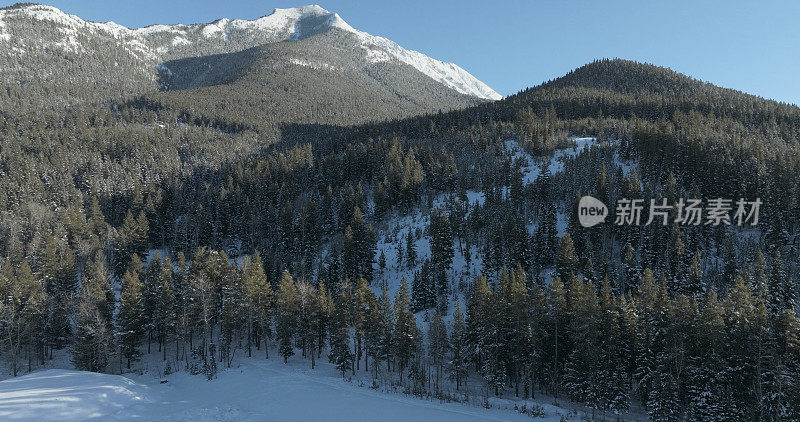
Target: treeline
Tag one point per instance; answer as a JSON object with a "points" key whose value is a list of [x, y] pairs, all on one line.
{"points": [[696, 356], [84, 191]]}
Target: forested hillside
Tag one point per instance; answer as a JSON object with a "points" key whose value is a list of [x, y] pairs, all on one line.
{"points": [[203, 220]]}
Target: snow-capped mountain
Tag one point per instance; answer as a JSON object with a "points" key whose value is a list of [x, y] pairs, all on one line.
{"points": [[299, 23], [153, 45]]}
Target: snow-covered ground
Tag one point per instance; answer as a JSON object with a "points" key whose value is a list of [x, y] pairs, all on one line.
{"points": [[531, 171], [396, 230], [254, 390]]}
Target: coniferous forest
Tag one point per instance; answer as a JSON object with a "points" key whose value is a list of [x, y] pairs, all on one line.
{"points": [[198, 224]]}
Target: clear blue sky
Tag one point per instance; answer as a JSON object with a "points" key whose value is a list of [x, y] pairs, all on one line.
{"points": [[511, 45]]}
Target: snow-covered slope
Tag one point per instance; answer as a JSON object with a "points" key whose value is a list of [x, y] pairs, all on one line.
{"points": [[158, 43], [257, 390], [67, 395]]}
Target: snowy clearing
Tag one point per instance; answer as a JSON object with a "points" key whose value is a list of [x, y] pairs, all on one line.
{"points": [[256, 390]]}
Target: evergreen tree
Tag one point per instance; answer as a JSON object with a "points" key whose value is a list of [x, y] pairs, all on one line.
{"points": [[165, 318], [308, 320], [94, 330], [458, 366], [259, 296], [567, 261], [411, 250], [286, 310], [631, 269], [341, 354], [232, 311], [777, 287], [386, 343], [694, 280], [441, 240], [405, 329], [325, 316], [93, 342], [130, 319], [438, 347], [21, 313]]}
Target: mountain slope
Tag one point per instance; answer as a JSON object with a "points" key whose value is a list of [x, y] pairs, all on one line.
{"points": [[51, 59], [622, 89], [225, 35], [615, 84], [318, 79]]}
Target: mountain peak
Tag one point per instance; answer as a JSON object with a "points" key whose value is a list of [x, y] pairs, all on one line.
{"points": [[301, 22], [160, 43]]}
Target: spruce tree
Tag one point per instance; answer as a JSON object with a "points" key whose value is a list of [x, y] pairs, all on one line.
{"points": [[458, 365], [259, 296], [165, 318], [566, 261], [405, 329], [93, 343], [438, 347], [94, 330], [441, 240], [326, 309], [386, 342], [308, 320], [130, 319], [22, 312], [286, 309], [341, 354], [411, 250]]}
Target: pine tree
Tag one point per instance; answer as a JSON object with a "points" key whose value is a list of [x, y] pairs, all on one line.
{"points": [[610, 382], [405, 329], [776, 290], [441, 240], [358, 316], [478, 320], [232, 309], [308, 320], [706, 367], [165, 318], [373, 323], [326, 309], [411, 250], [759, 276], [743, 321], [286, 309], [152, 282], [566, 261], [386, 343], [631, 269], [694, 280], [458, 366], [581, 363], [92, 346], [259, 296], [58, 272], [438, 347], [202, 303], [94, 330], [21, 312], [359, 248], [130, 319], [558, 346], [97, 277], [341, 355]]}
